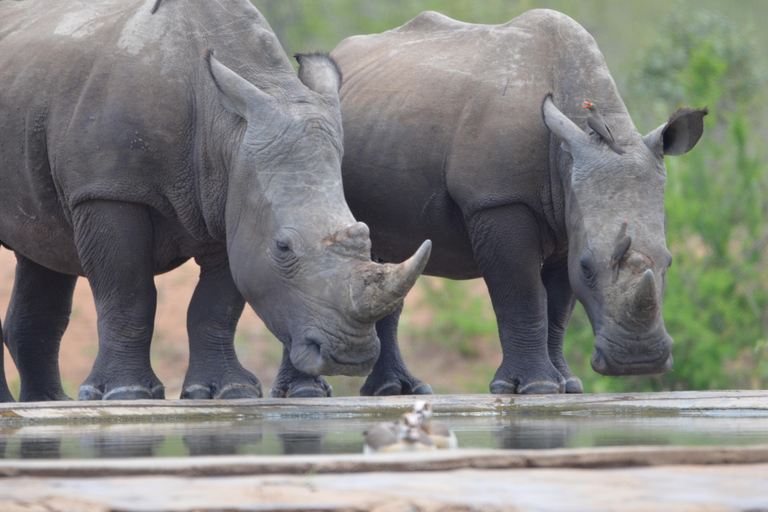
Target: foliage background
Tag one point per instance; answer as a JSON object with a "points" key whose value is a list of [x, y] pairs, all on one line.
{"points": [[662, 54]]}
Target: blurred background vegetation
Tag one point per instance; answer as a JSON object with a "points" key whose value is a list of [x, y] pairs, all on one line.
{"points": [[662, 54]]}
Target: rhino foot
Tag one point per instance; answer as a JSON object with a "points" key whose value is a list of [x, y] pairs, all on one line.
{"points": [[532, 388], [405, 384], [248, 386], [546, 383], [91, 392], [301, 387], [574, 385]]}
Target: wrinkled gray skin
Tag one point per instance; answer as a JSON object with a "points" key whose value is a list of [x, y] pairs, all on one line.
{"points": [[445, 140], [124, 152]]}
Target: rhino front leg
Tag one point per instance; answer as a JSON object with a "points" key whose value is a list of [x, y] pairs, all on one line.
{"points": [[116, 249], [214, 369], [560, 304], [390, 376], [38, 315], [507, 244], [292, 383]]}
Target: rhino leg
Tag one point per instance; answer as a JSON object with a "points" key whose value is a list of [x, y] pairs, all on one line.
{"points": [[507, 242], [37, 317], [5, 393], [214, 370], [390, 376], [116, 249], [560, 304], [292, 383]]}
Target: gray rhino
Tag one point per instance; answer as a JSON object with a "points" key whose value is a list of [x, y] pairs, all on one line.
{"points": [[124, 152], [451, 135]]}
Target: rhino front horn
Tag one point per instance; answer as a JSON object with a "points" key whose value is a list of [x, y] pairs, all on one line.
{"points": [[377, 288], [644, 305]]}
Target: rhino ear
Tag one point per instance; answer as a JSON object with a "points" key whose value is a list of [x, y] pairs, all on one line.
{"points": [[320, 73], [236, 94], [678, 135], [567, 131]]}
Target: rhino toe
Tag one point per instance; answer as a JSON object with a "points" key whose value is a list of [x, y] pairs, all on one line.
{"points": [[236, 391], [574, 385], [129, 393], [196, 392], [311, 387], [88, 392]]}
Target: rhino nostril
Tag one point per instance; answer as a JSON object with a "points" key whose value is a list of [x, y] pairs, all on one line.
{"points": [[313, 338]]}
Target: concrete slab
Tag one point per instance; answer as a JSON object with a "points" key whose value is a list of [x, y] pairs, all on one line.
{"points": [[663, 478], [753, 402], [668, 488]]}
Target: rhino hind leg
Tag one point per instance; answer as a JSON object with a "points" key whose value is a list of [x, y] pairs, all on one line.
{"points": [[390, 376], [116, 249], [293, 383], [214, 370], [38, 315], [507, 242], [560, 304]]}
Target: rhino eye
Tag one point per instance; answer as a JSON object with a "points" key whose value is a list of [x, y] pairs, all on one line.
{"points": [[283, 253]]}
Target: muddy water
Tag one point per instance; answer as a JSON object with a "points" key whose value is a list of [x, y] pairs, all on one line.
{"points": [[312, 434]]}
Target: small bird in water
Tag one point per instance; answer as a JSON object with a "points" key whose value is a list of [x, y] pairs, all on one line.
{"points": [[598, 125], [403, 435], [440, 434]]}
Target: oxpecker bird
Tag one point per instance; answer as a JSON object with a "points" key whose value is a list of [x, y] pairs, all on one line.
{"points": [[596, 122]]}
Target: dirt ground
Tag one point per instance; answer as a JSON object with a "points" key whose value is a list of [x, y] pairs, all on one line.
{"points": [[444, 368]]}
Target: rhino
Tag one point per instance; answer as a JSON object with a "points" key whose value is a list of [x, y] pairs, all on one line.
{"points": [[474, 136], [134, 138]]}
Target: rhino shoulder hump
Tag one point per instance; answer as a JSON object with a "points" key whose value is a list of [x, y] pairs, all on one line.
{"points": [[548, 20], [430, 20]]}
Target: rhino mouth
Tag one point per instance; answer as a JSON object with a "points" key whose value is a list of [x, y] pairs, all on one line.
{"points": [[312, 353], [657, 360]]}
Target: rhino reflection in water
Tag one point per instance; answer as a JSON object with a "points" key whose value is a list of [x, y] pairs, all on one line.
{"points": [[444, 139], [118, 163]]}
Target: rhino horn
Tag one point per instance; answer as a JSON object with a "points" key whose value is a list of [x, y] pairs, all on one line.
{"points": [[378, 288], [356, 231], [644, 305]]}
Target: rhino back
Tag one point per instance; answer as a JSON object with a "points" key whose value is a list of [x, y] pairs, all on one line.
{"points": [[442, 116], [103, 100]]}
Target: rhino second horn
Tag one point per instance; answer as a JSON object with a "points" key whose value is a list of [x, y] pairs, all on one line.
{"points": [[379, 288], [356, 231], [644, 306]]}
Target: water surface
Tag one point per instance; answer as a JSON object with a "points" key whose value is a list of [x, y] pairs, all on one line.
{"points": [[313, 434]]}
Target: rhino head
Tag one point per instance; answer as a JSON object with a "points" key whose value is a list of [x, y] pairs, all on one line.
{"points": [[617, 253], [295, 251]]}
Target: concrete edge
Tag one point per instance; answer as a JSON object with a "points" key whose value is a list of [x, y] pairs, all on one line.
{"points": [[594, 458], [693, 403]]}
